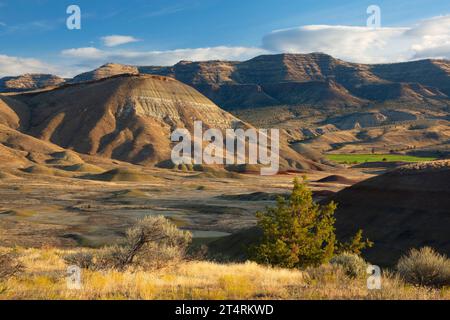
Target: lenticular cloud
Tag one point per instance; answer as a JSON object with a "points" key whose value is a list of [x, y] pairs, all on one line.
{"points": [[428, 39]]}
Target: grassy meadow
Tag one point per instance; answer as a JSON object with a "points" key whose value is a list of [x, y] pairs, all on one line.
{"points": [[44, 277], [362, 158]]}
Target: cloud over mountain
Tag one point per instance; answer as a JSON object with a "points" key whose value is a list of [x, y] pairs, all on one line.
{"points": [[13, 66], [428, 39], [94, 55], [117, 40]]}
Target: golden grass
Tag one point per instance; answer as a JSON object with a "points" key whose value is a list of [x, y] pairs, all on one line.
{"points": [[23, 213], [45, 278]]}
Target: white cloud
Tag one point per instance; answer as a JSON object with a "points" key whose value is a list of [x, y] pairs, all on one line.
{"points": [[166, 11], [88, 53], [117, 40], [13, 66], [428, 39], [94, 56]]}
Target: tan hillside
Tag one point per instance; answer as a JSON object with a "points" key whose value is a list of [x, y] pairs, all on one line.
{"points": [[13, 114], [247, 84], [32, 155], [126, 118], [323, 93], [105, 71], [19, 150], [129, 118], [415, 137]]}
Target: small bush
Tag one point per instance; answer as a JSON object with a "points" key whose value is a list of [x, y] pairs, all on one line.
{"points": [[154, 242], [353, 265], [425, 267], [111, 257], [82, 259], [324, 274], [9, 266]]}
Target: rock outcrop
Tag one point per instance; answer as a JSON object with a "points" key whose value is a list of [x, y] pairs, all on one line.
{"points": [[105, 71], [28, 82]]}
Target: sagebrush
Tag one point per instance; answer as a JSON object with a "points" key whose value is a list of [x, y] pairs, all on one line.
{"points": [[9, 265], [425, 267], [153, 242], [353, 265]]}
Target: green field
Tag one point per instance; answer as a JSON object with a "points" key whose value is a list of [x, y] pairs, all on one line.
{"points": [[361, 158]]}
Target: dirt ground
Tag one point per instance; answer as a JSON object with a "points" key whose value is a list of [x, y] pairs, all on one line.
{"points": [[41, 210]]}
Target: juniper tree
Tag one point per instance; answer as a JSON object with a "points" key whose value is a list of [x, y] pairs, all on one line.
{"points": [[298, 232]]}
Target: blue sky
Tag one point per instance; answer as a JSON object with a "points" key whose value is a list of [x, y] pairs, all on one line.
{"points": [[33, 33]]}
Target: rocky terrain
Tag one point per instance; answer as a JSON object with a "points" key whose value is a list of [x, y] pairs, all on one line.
{"points": [[29, 82], [105, 71], [316, 79], [416, 138]]}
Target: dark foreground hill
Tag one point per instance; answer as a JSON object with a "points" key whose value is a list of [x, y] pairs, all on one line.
{"points": [[403, 209], [400, 210]]}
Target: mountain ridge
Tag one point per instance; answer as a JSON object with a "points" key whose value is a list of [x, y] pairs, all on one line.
{"points": [[248, 84], [261, 71]]}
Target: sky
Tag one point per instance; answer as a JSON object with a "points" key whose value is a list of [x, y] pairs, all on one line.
{"points": [[34, 37]]}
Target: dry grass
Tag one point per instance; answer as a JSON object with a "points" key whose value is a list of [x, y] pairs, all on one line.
{"points": [[44, 278]]}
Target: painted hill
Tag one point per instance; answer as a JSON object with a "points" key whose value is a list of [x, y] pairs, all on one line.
{"points": [[402, 209], [125, 117], [128, 118]]}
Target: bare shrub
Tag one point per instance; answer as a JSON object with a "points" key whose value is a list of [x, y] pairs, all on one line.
{"points": [[153, 242], [198, 253], [353, 265], [425, 267], [325, 274], [83, 259], [9, 266]]}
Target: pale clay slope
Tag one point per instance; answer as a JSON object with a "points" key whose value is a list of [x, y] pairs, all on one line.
{"points": [[127, 117]]}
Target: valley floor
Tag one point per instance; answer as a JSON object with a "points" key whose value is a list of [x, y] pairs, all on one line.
{"points": [[42, 210]]}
